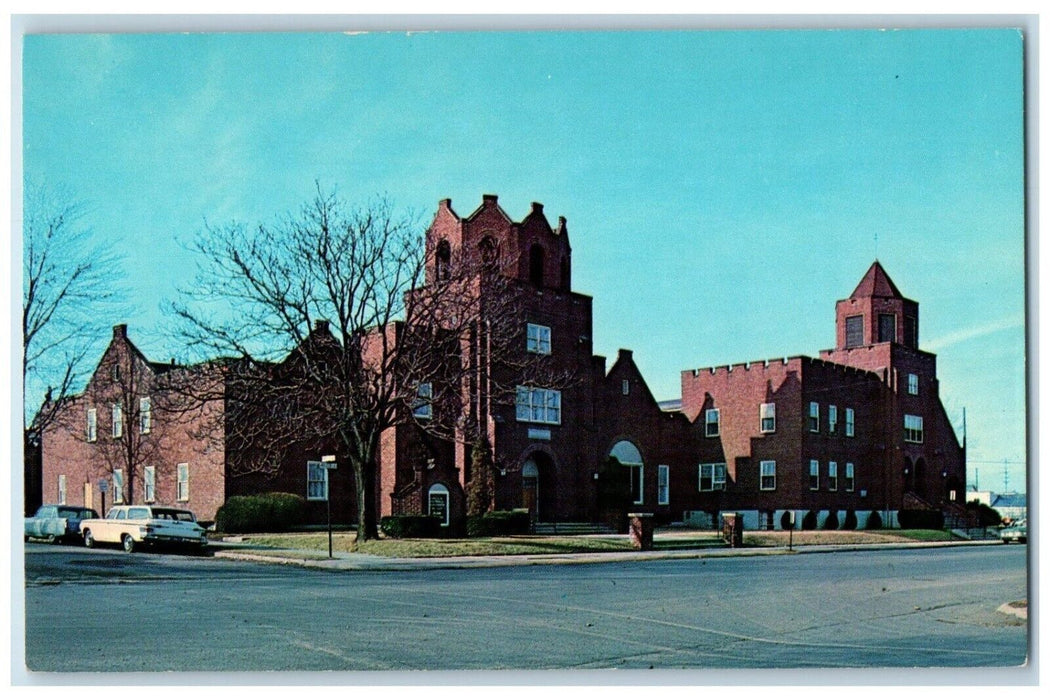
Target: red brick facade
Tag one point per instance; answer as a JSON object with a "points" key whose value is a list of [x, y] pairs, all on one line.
{"points": [[552, 443]]}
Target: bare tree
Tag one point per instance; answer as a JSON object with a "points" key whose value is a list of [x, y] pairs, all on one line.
{"points": [[333, 333], [68, 282]]}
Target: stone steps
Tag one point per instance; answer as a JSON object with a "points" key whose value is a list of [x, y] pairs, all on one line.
{"points": [[572, 529]]}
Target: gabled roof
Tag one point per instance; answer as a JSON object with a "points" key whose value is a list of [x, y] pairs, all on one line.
{"points": [[876, 283]]}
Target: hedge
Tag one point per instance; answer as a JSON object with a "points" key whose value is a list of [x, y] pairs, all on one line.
{"points": [[499, 522], [397, 526], [921, 519], [267, 512]]}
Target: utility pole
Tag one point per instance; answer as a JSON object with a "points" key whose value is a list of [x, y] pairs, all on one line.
{"points": [[1006, 478]]}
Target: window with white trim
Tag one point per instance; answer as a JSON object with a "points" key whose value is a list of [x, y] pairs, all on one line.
{"points": [[767, 475], [814, 417], [713, 477], [850, 425], [92, 425], [316, 482], [118, 420], [538, 339], [61, 489], [833, 476], [767, 415], [814, 475], [637, 475], [149, 484], [663, 484], [833, 418], [182, 482], [422, 407], [912, 428], [848, 479], [711, 426], [536, 405], [913, 384], [145, 415], [118, 485]]}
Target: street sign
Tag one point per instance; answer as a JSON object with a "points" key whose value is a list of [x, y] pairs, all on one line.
{"points": [[103, 485]]}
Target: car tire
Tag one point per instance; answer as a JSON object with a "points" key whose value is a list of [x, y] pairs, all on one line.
{"points": [[89, 539], [129, 543]]}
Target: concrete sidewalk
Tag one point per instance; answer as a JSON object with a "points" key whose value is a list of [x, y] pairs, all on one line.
{"points": [[349, 561]]}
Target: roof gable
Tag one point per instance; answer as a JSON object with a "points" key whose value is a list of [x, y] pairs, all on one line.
{"points": [[876, 283]]}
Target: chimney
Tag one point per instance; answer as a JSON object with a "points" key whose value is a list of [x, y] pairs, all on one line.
{"points": [[120, 330], [320, 326], [489, 198], [537, 208]]}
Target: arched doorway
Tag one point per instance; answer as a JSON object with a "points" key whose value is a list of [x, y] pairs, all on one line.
{"points": [[536, 490], [630, 458]]}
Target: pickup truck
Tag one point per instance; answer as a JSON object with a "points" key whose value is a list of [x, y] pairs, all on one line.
{"points": [[133, 526], [57, 522]]}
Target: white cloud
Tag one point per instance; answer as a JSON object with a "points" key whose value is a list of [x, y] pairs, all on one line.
{"points": [[971, 332]]}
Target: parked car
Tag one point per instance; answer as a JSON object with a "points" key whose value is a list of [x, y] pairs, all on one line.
{"points": [[1018, 532], [57, 522], [134, 526]]}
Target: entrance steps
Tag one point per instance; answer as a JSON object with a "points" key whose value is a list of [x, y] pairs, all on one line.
{"points": [[572, 529]]}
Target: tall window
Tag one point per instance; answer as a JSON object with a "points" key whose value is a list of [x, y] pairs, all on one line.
{"points": [[538, 339], [182, 482], [625, 387], [913, 384], [912, 428], [814, 417], [443, 261], [854, 331], [711, 422], [887, 328], [149, 484], [833, 476], [713, 477], [118, 485], [833, 418], [848, 480], [637, 475], [92, 425], [767, 475], [850, 426], [663, 484], [422, 407], [814, 475], [145, 415], [316, 482], [61, 489], [536, 265], [768, 417], [118, 421], [535, 405], [911, 331]]}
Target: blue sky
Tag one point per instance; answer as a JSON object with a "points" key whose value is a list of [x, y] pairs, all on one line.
{"points": [[722, 188]]}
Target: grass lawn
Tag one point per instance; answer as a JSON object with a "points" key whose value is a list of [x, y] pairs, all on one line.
{"points": [[344, 541]]}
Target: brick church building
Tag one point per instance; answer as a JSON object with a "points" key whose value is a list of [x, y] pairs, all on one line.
{"points": [[821, 441]]}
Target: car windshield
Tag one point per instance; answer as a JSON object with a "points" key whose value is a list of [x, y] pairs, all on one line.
{"points": [[172, 514]]}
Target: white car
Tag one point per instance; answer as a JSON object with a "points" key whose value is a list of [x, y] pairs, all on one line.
{"points": [[132, 526]]}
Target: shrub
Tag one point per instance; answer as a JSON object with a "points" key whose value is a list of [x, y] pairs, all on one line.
{"points": [[921, 519], [499, 522], [832, 523], [397, 526], [809, 521], [785, 521], [874, 521], [850, 521], [266, 512], [986, 515]]}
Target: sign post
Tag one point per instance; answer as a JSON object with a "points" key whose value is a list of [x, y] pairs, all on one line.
{"points": [[791, 527], [328, 464]]}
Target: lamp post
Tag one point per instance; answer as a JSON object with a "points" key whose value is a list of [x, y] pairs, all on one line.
{"points": [[328, 464]]}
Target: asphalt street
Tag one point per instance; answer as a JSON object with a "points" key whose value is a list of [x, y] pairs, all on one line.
{"points": [[928, 608]]}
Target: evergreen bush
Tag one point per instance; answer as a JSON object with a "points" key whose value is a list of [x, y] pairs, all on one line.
{"points": [[498, 523], [398, 526], [266, 512]]}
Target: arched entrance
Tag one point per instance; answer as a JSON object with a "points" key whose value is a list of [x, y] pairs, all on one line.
{"points": [[630, 458], [536, 491]]}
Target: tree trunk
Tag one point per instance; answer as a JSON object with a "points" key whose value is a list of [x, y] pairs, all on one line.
{"points": [[364, 486]]}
